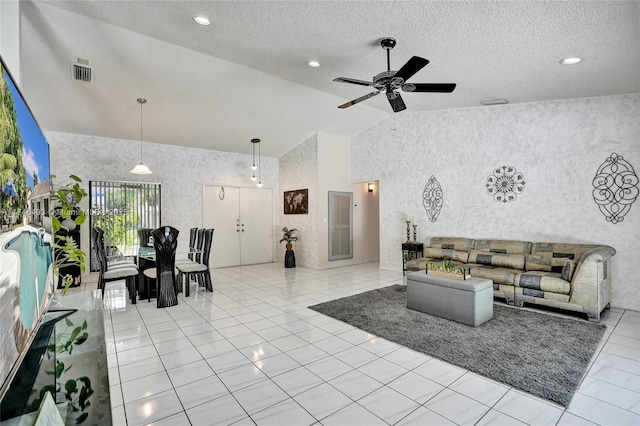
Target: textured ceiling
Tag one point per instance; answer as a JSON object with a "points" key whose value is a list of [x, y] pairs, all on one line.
{"points": [[246, 75]]}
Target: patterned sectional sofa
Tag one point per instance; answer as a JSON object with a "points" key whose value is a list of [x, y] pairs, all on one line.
{"points": [[575, 277]]}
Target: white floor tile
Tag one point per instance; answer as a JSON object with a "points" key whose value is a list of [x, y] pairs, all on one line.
{"points": [[259, 396], [382, 370], [227, 361], [297, 381], [241, 377], [425, 417], [183, 374], [287, 412], [388, 404], [600, 412], [322, 401], [221, 411], [528, 409], [177, 419], [146, 386], [139, 369], [416, 387], [476, 387], [457, 407], [153, 408], [328, 368], [353, 415], [201, 391], [355, 384], [439, 371]]}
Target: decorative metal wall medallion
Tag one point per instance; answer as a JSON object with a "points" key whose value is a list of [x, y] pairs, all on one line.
{"points": [[432, 198], [505, 184], [615, 188]]}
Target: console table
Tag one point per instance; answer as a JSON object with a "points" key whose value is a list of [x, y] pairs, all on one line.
{"points": [[414, 250]]}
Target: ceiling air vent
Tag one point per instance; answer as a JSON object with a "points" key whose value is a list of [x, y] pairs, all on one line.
{"points": [[82, 71]]}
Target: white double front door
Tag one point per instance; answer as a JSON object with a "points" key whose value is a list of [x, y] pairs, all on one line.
{"points": [[243, 223]]}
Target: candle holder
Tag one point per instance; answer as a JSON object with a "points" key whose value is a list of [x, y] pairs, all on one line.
{"points": [[415, 234], [408, 231]]}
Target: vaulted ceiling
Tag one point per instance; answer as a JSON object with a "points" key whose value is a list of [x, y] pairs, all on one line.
{"points": [[246, 74]]}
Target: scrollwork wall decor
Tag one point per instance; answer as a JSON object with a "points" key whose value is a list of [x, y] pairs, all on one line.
{"points": [[615, 188], [505, 184], [432, 198]]}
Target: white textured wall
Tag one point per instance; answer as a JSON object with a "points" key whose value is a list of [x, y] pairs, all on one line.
{"points": [[181, 171], [299, 170], [558, 146]]}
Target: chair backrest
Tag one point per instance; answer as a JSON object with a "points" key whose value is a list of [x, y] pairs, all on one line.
{"points": [[192, 237], [206, 250], [192, 241], [143, 235], [165, 241], [199, 244]]}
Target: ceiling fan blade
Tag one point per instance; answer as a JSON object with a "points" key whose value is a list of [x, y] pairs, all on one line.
{"points": [[360, 99], [429, 87], [413, 65], [397, 104], [353, 81]]}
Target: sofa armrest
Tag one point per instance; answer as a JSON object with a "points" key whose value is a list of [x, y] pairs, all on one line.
{"points": [[591, 282]]}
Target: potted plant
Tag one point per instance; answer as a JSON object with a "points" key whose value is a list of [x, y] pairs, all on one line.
{"points": [[67, 216], [449, 269], [289, 237]]}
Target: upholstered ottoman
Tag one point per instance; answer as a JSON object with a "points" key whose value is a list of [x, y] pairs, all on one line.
{"points": [[469, 302]]}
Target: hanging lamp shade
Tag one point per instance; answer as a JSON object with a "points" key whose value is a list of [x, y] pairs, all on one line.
{"points": [[141, 169]]}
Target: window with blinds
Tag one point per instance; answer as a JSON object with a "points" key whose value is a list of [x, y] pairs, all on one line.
{"points": [[340, 225], [122, 209]]}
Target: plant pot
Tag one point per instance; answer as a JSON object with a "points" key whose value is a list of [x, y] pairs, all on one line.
{"points": [[452, 275]]}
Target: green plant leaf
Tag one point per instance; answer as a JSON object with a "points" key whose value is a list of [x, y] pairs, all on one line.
{"points": [[70, 386], [84, 325], [82, 338], [59, 369], [81, 418]]}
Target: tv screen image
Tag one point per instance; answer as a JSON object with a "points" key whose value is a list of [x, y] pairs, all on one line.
{"points": [[26, 258]]}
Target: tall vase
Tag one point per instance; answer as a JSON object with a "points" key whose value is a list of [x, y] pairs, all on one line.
{"points": [[289, 257]]}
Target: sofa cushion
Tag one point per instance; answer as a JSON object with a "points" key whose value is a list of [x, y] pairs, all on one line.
{"points": [[463, 244], [440, 253], [503, 246], [512, 261], [566, 250], [545, 264], [543, 281], [568, 269], [497, 275]]}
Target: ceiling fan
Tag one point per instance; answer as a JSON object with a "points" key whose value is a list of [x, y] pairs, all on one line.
{"points": [[390, 81]]}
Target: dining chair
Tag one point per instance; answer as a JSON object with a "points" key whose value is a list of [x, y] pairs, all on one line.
{"points": [[98, 238], [192, 247], [163, 277], [201, 270], [121, 271]]}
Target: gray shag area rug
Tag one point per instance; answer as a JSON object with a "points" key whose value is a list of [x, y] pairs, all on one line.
{"points": [[544, 355]]}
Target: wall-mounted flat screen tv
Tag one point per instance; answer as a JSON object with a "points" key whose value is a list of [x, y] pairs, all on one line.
{"points": [[26, 258]]}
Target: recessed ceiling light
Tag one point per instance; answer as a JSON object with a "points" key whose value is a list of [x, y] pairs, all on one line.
{"points": [[314, 64], [570, 61], [201, 20]]}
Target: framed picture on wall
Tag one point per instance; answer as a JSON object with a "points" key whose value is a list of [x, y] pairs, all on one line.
{"points": [[296, 201]]}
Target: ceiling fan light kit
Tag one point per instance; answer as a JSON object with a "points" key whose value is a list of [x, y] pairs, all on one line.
{"points": [[390, 81]]}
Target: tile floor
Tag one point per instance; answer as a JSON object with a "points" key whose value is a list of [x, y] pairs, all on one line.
{"points": [[252, 353]]}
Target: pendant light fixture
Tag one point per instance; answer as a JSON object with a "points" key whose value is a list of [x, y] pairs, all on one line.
{"points": [[141, 169], [253, 166], [259, 184]]}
